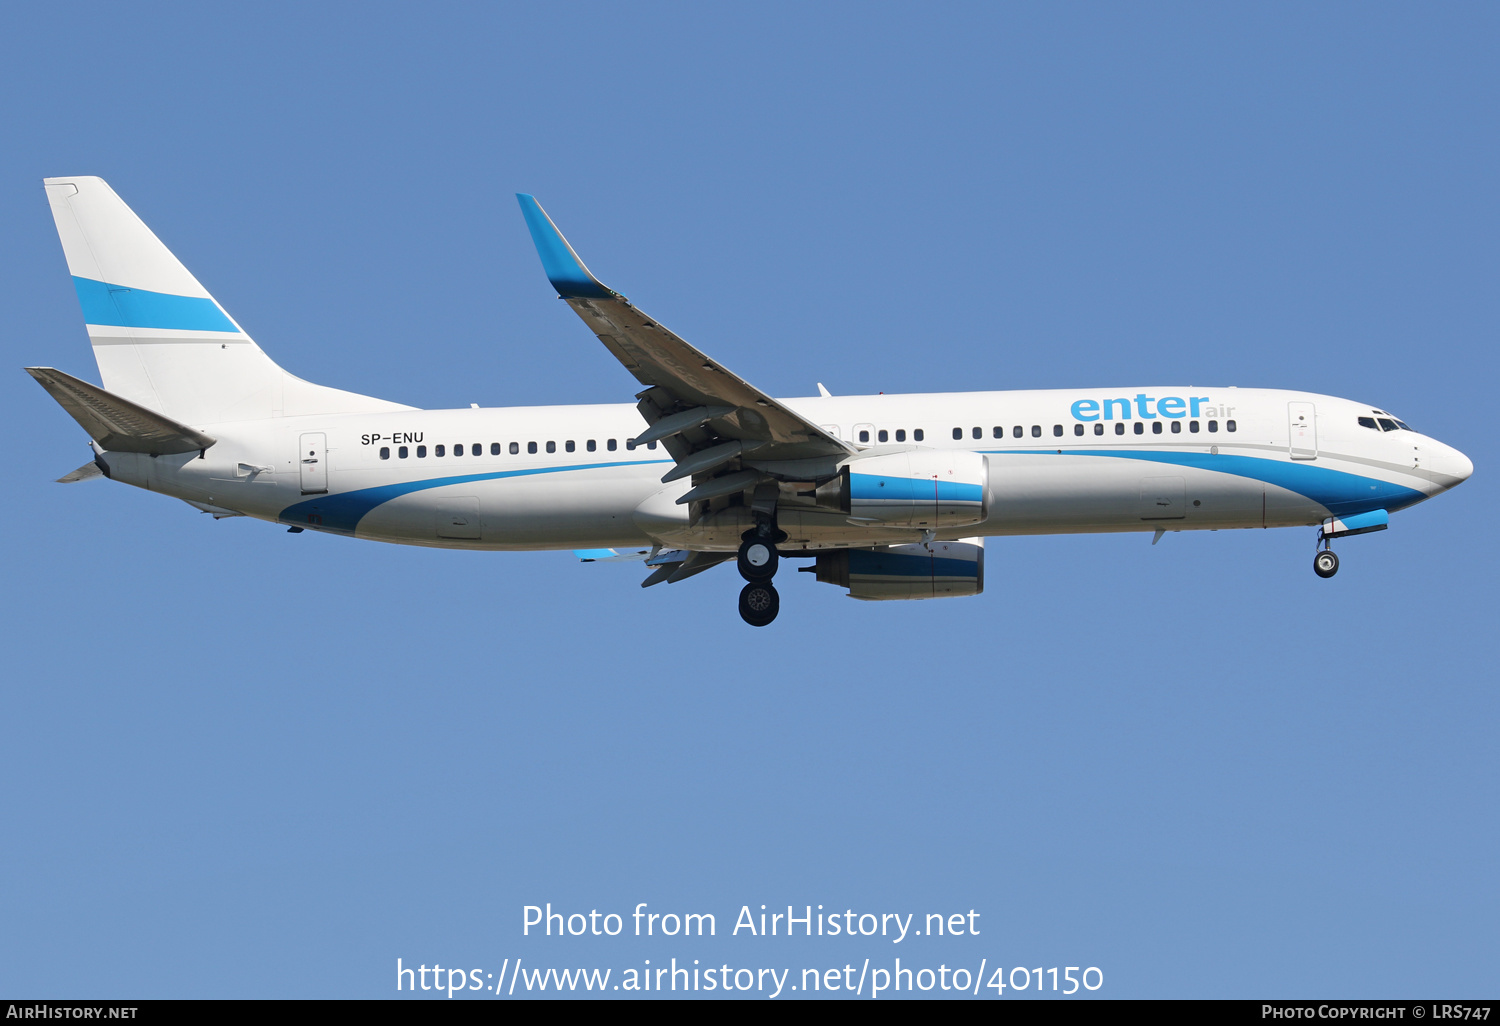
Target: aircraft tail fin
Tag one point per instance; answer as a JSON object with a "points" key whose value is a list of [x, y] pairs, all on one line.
{"points": [[161, 341]]}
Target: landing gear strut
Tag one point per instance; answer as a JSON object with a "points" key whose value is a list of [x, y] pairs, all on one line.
{"points": [[759, 602], [1325, 563]]}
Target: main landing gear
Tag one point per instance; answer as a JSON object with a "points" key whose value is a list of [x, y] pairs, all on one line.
{"points": [[759, 602]]}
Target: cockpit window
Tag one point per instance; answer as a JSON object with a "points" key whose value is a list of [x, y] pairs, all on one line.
{"points": [[1368, 422], [1386, 424], [1404, 426]]}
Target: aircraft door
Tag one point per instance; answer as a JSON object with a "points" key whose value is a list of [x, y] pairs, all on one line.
{"points": [[312, 457], [1302, 427]]}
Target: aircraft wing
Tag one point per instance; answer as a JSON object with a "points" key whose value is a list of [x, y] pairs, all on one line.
{"points": [[704, 414]]}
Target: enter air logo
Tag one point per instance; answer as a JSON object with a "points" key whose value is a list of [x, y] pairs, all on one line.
{"points": [[1147, 407]]}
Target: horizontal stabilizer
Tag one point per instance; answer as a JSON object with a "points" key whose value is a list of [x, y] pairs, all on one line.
{"points": [[117, 424], [611, 555], [83, 473]]}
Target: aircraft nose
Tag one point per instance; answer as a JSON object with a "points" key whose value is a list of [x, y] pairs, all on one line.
{"points": [[1462, 466], [1456, 465]]}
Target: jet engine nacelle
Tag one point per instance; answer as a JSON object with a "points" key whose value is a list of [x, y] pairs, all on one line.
{"points": [[931, 489], [936, 570]]}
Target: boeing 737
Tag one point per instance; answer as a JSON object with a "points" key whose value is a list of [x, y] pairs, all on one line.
{"points": [[890, 496]]}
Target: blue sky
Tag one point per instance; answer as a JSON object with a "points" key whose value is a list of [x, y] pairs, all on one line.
{"points": [[244, 763]]}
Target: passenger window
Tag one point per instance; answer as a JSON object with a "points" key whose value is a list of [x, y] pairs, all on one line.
{"points": [[1098, 429], [883, 435], [591, 445], [551, 446], [1140, 428], [569, 445], [1119, 428], [1176, 427], [385, 452], [958, 434], [440, 450], [476, 449], [1057, 431], [1229, 425], [1213, 427], [1078, 429], [611, 445], [1387, 425], [1156, 427], [1036, 431], [900, 434], [864, 436], [458, 450], [917, 435], [421, 452], [629, 444], [999, 432], [531, 447], [402, 452], [651, 445], [1018, 432], [494, 448], [1193, 426], [515, 447], [978, 433]]}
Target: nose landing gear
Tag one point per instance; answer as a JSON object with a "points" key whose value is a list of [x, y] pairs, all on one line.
{"points": [[757, 562], [1325, 563]]}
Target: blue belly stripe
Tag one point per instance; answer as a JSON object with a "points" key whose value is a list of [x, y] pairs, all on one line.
{"points": [[1341, 493], [341, 512]]}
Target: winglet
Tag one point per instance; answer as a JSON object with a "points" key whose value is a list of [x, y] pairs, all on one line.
{"points": [[564, 270]]}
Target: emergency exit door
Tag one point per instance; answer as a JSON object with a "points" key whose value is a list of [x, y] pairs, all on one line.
{"points": [[1302, 428], [313, 459]]}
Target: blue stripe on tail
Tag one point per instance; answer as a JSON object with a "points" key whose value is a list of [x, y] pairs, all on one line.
{"points": [[125, 307]]}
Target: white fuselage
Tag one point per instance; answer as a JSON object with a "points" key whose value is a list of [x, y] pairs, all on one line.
{"points": [[1060, 461]]}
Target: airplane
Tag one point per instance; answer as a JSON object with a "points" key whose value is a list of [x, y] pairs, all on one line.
{"points": [[889, 496]]}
